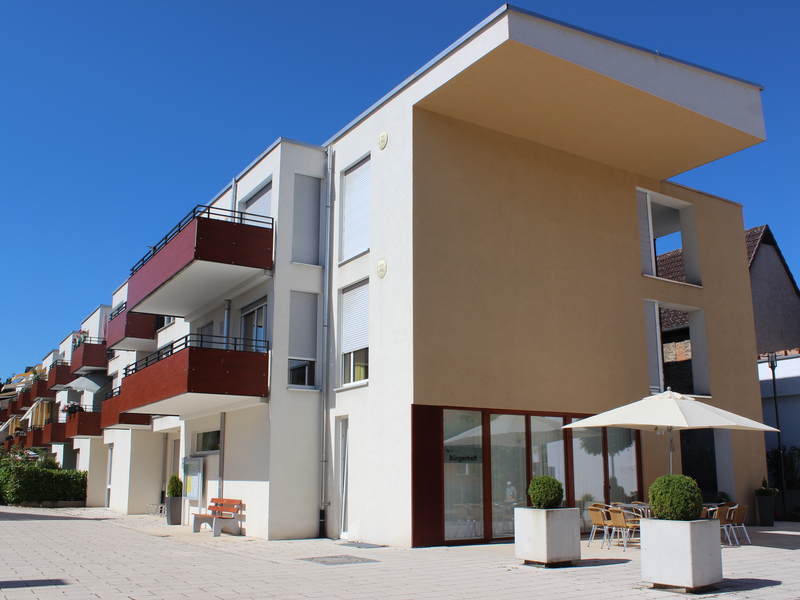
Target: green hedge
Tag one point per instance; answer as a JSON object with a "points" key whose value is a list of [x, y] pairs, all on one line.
{"points": [[30, 483]]}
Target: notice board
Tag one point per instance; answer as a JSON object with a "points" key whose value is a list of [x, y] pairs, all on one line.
{"points": [[193, 477]]}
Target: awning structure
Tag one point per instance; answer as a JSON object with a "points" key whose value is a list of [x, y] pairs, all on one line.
{"points": [[88, 383], [37, 414], [10, 425]]}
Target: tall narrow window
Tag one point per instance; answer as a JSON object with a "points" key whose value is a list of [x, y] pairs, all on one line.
{"points": [[254, 329], [306, 216], [655, 373], [355, 333], [355, 210], [302, 338]]}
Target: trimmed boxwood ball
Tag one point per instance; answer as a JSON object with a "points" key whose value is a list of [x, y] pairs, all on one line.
{"points": [[675, 498], [546, 492]]}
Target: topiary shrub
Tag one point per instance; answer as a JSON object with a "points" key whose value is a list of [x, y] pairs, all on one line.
{"points": [[675, 498], [546, 492], [174, 487]]}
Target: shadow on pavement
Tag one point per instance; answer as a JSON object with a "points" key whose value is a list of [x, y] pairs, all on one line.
{"points": [[600, 562], [20, 516], [24, 583], [736, 585]]}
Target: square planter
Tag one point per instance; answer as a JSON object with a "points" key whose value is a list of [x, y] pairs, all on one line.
{"points": [[548, 537], [682, 554], [766, 510], [174, 508]]}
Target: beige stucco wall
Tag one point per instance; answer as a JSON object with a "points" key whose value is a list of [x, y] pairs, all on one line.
{"points": [[528, 290]]}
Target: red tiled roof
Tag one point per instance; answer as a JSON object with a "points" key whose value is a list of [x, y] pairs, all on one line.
{"points": [[670, 266]]}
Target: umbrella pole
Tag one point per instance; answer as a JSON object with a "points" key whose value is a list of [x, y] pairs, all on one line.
{"points": [[671, 448]]}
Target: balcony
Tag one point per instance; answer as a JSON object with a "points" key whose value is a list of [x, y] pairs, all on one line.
{"points": [[131, 331], [40, 389], [83, 424], [8, 444], [35, 438], [59, 375], [210, 252], [112, 418], [23, 402], [197, 374], [20, 439], [89, 354], [54, 431]]}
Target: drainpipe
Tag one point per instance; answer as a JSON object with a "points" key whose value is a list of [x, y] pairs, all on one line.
{"points": [[233, 196], [164, 471], [323, 504], [227, 327], [221, 453]]}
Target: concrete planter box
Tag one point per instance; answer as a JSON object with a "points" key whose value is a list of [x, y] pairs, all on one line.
{"points": [[682, 554], [548, 537]]}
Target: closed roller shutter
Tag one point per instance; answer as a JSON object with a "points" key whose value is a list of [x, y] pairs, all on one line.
{"points": [[305, 226], [355, 223], [303, 326], [653, 346], [355, 318]]}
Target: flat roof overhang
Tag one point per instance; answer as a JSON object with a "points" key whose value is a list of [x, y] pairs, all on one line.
{"points": [[597, 98]]}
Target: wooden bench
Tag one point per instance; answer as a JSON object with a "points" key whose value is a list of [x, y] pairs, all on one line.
{"points": [[222, 513]]}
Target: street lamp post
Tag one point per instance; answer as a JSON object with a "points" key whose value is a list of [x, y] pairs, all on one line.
{"points": [[772, 360]]}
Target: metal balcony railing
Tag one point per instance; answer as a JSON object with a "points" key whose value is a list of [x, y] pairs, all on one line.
{"points": [[117, 311], [110, 394], [58, 363], [198, 340], [61, 418], [80, 341], [204, 212]]}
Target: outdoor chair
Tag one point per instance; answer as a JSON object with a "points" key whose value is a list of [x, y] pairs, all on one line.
{"points": [[737, 520], [723, 514], [622, 527], [463, 519], [599, 521], [704, 513]]}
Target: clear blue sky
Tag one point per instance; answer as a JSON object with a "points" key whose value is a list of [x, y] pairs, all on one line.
{"points": [[117, 117]]}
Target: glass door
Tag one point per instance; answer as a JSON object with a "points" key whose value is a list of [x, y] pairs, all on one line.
{"points": [[509, 471], [254, 330], [463, 475]]}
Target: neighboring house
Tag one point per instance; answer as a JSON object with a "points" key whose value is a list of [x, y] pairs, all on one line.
{"points": [[776, 312], [375, 339]]}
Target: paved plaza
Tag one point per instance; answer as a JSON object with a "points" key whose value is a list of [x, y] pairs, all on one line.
{"points": [[94, 553]]}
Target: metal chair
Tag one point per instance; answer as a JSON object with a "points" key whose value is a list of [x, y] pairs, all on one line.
{"points": [[599, 521], [737, 521]]}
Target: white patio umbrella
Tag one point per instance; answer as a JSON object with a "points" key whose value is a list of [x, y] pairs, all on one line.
{"points": [[667, 411]]}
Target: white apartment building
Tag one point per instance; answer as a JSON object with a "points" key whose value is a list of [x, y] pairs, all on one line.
{"points": [[377, 339]]}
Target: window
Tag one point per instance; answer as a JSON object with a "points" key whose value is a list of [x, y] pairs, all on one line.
{"points": [[208, 441], [306, 220], [260, 202], [163, 321], [668, 237], [355, 210], [355, 333], [254, 327], [302, 338]]}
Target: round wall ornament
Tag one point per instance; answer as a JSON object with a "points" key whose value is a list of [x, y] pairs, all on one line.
{"points": [[381, 269]]}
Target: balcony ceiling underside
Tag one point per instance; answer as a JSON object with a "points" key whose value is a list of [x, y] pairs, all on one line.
{"points": [[133, 343], [195, 286], [128, 426], [534, 95], [193, 403]]}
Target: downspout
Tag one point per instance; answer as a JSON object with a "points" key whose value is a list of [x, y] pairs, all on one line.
{"points": [[323, 504], [221, 454], [227, 327], [164, 472]]}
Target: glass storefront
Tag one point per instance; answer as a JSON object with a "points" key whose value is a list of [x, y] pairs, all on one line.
{"points": [[486, 473]]}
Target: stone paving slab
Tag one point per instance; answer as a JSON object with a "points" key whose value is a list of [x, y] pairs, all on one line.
{"points": [[94, 553]]}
